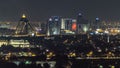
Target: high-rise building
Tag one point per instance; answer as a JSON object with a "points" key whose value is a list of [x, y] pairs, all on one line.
{"points": [[96, 24], [82, 24], [54, 25], [66, 23], [68, 26], [41, 28]]}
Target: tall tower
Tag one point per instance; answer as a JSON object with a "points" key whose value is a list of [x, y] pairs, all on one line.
{"points": [[54, 25], [97, 23], [79, 22], [82, 24], [24, 27], [68, 26]]}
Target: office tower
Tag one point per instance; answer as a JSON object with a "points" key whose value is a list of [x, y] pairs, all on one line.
{"points": [[82, 24], [43, 28], [66, 23], [96, 24], [68, 26], [54, 25]]}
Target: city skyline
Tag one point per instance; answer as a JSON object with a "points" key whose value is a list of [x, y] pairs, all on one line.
{"points": [[41, 10]]}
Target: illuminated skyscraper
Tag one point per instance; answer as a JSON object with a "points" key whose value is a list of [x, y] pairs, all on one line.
{"points": [[82, 24], [54, 25], [96, 24], [68, 26]]}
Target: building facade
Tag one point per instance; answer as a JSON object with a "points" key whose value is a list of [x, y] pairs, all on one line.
{"points": [[68, 26], [82, 24], [54, 24]]}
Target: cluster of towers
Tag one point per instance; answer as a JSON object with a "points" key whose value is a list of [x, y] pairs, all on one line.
{"points": [[64, 26], [57, 25]]}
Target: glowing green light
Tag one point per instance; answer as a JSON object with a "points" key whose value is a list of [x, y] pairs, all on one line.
{"points": [[100, 66], [27, 62], [85, 29]]}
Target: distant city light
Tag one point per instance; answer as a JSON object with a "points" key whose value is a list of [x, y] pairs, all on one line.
{"points": [[50, 19], [106, 31], [100, 66], [23, 16], [97, 18], [80, 14], [112, 66], [56, 19], [33, 34], [85, 29], [47, 50]]}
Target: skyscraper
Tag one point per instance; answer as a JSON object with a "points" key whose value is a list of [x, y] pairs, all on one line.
{"points": [[82, 24], [95, 24], [66, 23], [68, 26], [54, 25]]}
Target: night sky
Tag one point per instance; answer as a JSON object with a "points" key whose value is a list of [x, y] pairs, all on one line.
{"points": [[40, 10]]}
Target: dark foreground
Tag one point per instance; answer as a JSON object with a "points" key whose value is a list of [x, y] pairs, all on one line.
{"points": [[81, 63]]}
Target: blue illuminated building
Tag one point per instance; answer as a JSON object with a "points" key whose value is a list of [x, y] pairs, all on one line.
{"points": [[54, 25], [97, 23]]}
